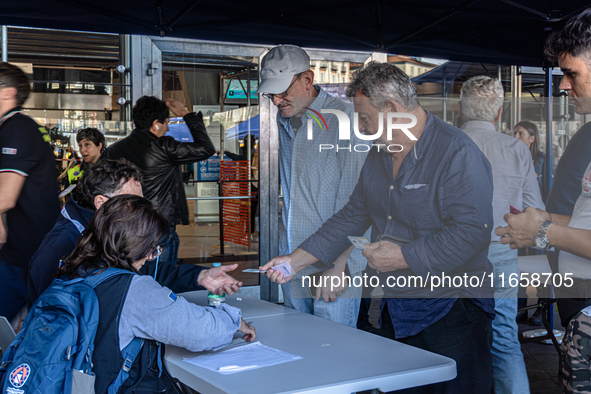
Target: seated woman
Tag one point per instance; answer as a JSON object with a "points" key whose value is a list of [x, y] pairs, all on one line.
{"points": [[125, 233]]}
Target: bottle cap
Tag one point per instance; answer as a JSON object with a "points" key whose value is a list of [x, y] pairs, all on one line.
{"points": [[217, 265]]}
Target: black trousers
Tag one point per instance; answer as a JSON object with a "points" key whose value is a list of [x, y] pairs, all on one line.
{"points": [[464, 335]]}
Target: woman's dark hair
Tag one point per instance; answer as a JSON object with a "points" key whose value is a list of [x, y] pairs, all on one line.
{"points": [[93, 135], [14, 77], [105, 178], [123, 231], [532, 130], [147, 110]]}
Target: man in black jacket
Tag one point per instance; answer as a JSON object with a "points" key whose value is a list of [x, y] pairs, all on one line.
{"points": [[159, 159]]}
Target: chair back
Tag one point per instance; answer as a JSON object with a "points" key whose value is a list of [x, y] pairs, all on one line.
{"points": [[7, 334]]}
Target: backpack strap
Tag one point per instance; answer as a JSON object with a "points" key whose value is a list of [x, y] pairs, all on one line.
{"points": [[94, 280], [160, 359], [131, 351], [129, 355]]}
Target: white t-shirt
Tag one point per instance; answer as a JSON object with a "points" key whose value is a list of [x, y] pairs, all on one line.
{"points": [[568, 262]]}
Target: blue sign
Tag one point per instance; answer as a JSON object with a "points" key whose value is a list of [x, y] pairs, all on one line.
{"points": [[180, 132], [209, 170]]}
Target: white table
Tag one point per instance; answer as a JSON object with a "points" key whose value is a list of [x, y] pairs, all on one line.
{"points": [[536, 264], [336, 358], [251, 307]]}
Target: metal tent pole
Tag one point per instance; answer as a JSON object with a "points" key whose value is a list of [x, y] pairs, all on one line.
{"points": [[549, 170], [549, 159], [4, 43]]}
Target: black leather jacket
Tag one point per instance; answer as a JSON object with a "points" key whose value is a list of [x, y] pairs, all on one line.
{"points": [[159, 159]]}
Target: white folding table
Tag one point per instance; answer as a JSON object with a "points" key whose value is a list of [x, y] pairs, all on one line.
{"points": [[336, 358], [535, 264]]}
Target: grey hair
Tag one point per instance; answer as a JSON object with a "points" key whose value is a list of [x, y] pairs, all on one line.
{"points": [[481, 98], [382, 82]]}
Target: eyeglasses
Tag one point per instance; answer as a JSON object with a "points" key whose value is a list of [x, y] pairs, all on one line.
{"points": [[284, 94], [154, 254]]}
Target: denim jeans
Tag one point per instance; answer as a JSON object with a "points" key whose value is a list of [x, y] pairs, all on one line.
{"points": [[344, 310], [509, 373], [13, 290]]}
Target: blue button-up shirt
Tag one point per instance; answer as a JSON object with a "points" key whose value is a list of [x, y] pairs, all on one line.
{"points": [[441, 199], [317, 183]]}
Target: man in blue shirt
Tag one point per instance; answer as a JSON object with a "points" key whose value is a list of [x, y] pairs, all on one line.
{"points": [[515, 184], [318, 173], [430, 184]]}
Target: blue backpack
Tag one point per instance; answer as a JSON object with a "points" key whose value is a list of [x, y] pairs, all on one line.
{"points": [[53, 351]]}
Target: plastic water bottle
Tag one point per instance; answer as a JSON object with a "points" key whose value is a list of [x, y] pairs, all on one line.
{"points": [[215, 300]]}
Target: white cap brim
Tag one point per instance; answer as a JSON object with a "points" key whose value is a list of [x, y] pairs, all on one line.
{"points": [[275, 85]]}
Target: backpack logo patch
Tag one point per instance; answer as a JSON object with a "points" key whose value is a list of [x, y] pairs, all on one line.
{"points": [[19, 375]]}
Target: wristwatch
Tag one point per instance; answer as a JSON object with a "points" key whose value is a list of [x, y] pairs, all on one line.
{"points": [[542, 239]]}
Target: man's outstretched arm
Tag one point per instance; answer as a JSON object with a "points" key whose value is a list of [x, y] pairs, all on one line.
{"points": [[523, 228]]}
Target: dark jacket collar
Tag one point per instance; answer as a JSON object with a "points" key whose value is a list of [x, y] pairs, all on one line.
{"points": [[145, 133], [76, 212]]}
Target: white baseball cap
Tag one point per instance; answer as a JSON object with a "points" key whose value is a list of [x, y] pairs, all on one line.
{"points": [[279, 66]]}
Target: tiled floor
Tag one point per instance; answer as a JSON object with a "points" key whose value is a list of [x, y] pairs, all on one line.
{"points": [[201, 245], [541, 361]]}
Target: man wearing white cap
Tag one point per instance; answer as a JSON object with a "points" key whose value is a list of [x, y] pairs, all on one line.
{"points": [[318, 173]]}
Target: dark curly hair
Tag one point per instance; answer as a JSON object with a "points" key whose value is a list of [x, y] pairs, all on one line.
{"points": [[14, 77], [93, 135], [125, 230], [148, 109], [574, 39], [104, 178]]}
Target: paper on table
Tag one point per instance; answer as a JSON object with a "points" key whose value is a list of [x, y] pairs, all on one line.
{"points": [[252, 356]]}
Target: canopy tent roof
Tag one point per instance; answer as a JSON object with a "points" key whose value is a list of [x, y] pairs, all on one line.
{"points": [[488, 31], [241, 130], [458, 72]]}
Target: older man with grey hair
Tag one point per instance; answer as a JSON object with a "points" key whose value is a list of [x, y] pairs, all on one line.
{"points": [[429, 184], [515, 184]]}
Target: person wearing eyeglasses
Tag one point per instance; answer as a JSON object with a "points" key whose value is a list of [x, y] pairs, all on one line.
{"points": [[125, 233], [316, 182], [104, 180]]}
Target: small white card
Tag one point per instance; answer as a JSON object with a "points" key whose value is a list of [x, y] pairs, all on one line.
{"points": [[358, 242], [284, 268]]}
